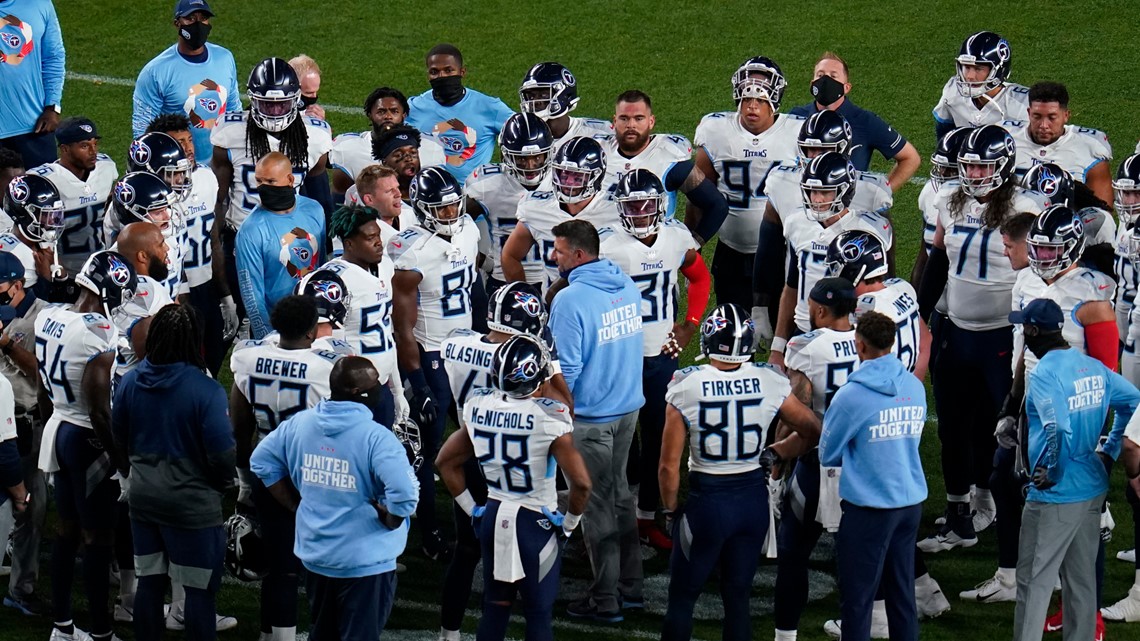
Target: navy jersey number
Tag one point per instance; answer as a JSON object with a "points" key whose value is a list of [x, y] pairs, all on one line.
{"points": [[268, 407], [373, 319], [56, 373], [198, 245], [456, 296], [724, 439], [656, 295], [512, 456], [983, 246], [837, 374]]}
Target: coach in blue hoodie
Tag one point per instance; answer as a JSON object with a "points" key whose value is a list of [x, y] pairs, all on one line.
{"points": [[349, 480], [872, 429], [596, 323]]}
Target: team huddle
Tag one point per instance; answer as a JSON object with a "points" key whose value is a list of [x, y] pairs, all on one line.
{"points": [[536, 302]]}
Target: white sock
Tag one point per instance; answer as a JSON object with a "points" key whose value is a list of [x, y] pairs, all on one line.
{"points": [[1008, 576], [642, 515], [1136, 582], [879, 608], [786, 635], [448, 635], [958, 498], [283, 634], [925, 581], [982, 495], [127, 586]]}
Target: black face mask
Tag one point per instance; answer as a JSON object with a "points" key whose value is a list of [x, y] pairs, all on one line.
{"points": [[277, 197], [6, 297], [1041, 343], [826, 90], [308, 101], [447, 90], [156, 268], [195, 34]]}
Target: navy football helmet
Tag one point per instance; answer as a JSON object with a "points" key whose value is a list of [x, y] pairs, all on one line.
{"points": [[548, 91], [728, 334], [642, 202], [520, 366], [944, 160], [327, 288], [161, 155], [824, 131], [111, 277], [1126, 189], [527, 145], [759, 77], [143, 196], [35, 206], [984, 48], [985, 160], [832, 176], [1055, 241], [856, 256], [435, 193], [578, 169], [517, 308], [246, 556], [1050, 180], [274, 95]]}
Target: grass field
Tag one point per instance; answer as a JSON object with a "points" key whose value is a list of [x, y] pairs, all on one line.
{"points": [[682, 54]]}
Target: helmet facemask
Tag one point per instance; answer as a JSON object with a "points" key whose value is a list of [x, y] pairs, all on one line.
{"points": [[47, 223], [178, 177], [539, 100], [275, 110], [573, 185], [1126, 199], [445, 217], [942, 170], [1049, 257], [982, 185], [974, 88], [642, 213], [530, 166], [811, 148], [822, 202]]}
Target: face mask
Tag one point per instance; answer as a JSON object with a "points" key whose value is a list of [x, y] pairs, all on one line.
{"points": [[1041, 343], [194, 34], [277, 197], [447, 90], [308, 101], [826, 90], [6, 297]]}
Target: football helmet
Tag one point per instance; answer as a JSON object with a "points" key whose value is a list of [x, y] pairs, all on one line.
{"points": [[111, 277], [759, 77], [517, 308], [1055, 241], [824, 131], [520, 366], [407, 431], [944, 160], [1051, 181], [526, 144], [143, 196], [432, 191], [578, 169], [985, 160], [728, 334], [274, 93], [245, 554], [548, 91], [984, 48], [1126, 189], [642, 202], [35, 206], [161, 155], [856, 256], [830, 174], [327, 288]]}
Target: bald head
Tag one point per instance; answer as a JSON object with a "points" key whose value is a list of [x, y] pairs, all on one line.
{"points": [[142, 243], [351, 376], [275, 169]]}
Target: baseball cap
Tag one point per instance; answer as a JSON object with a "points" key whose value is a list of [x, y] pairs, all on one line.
{"points": [[1041, 312], [74, 130], [829, 291], [184, 8], [10, 267]]}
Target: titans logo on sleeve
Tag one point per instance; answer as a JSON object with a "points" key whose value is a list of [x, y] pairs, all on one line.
{"points": [[458, 140], [299, 252], [15, 40], [205, 104]]}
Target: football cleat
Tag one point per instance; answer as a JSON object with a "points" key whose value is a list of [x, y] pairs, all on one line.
{"points": [[992, 590], [956, 532], [652, 535], [1128, 556], [879, 629], [1126, 609], [930, 599], [984, 512], [1054, 622]]}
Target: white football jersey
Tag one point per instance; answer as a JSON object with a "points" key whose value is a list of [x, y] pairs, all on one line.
{"points": [[872, 192], [584, 127], [654, 269], [1126, 279], [230, 135], [512, 440], [352, 152], [1076, 151], [1073, 288], [467, 360], [540, 212], [659, 156], [84, 203], [499, 193], [368, 322], [447, 270], [898, 302], [929, 213], [807, 244], [742, 162], [280, 382], [9, 243], [826, 357], [727, 413], [981, 280], [198, 217], [1012, 102], [150, 297], [65, 342]]}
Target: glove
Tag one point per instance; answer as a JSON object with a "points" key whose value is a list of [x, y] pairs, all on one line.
{"points": [[768, 459], [124, 486], [230, 320], [245, 487], [1041, 478], [764, 331], [1107, 524], [423, 406], [390, 521], [556, 519], [671, 517], [1006, 432]]}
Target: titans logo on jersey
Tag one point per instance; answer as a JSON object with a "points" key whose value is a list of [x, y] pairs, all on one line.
{"points": [[540, 212], [1076, 151], [16, 40], [662, 153], [205, 103], [898, 302], [1011, 102], [499, 194], [299, 252], [368, 323], [872, 192], [84, 202], [826, 357], [280, 382]]}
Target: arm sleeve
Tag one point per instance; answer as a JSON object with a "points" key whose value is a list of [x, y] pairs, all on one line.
{"points": [[713, 206], [53, 58], [1123, 398], [147, 103], [768, 267], [568, 334], [933, 281], [390, 467], [268, 461], [218, 440], [1103, 342], [700, 282], [677, 175], [251, 281]]}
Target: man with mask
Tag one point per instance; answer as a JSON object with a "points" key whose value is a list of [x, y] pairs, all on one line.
{"points": [[192, 77], [869, 133], [310, 76], [282, 241], [465, 121]]}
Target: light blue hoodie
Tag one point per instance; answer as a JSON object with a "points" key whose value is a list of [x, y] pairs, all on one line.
{"points": [[340, 460], [872, 429], [596, 322]]}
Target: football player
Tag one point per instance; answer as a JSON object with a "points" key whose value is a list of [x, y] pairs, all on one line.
{"points": [[550, 91], [943, 171], [1047, 136], [145, 248], [397, 148], [1059, 188], [979, 92], [141, 196], [827, 189], [577, 173], [275, 378], [527, 147], [331, 295], [722, 410], [431, 296], [378, 187], [75, 349], [652, 249], [1126, 202], [974, 361], [520, 441], [36, 209]]}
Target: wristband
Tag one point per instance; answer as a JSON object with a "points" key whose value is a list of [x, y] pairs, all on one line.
{"points": [[779, 343], [466, 502], [416, 379], [570, 521]]}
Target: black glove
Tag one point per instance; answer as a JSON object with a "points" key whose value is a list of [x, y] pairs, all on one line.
{"points": [[768, 459], [423, 405], [390, 521], [1041, 478]]}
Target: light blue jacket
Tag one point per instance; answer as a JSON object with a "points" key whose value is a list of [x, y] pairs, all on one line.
{"points": [[32, 79]]}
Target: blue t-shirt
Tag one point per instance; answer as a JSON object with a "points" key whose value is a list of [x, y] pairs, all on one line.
{"points": [[204, 91], [467, 130], [32, 62], [868, 133]]}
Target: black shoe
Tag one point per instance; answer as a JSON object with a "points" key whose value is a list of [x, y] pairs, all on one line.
{"points": [[434, 546], [586, 609], [630, 603]]}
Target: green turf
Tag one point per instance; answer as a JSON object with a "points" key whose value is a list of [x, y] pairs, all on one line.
{"points": [[682, 54]]}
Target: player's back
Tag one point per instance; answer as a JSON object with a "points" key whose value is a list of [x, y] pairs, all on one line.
{"points": [[898, 302], [826, 357], [66, 341], [280, 382], [467, 358]]}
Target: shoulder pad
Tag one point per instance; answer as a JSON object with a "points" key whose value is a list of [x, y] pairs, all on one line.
{"points": [[483, 171], [890, 282], [479, 391], [338, 347], [248, 344], [540, 194], [103, 157], [673, 223], [682, 374], [606, 232], [348, 135], [100, 326], [460, 332], [1016, 88], [328, 356], [681, 143], [803, 340], [866, 303], [402, 243], [598, 123], [716, 115], [553, 408], [787, 168], [9, 240], [770, 367], [233, 117], [1012, 124]]}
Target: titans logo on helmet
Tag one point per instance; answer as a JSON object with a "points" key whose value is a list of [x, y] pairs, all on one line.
{"points": [[118, 270], [328, 290], [854, 248], [568, 77], [124, 193], [140, 152], [529, 303], [1047, 182], [18, 188], [713, 324], [525, 371]]}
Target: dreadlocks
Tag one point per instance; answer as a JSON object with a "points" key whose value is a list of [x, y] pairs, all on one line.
{"points": [[294, 141], [346, 220], [175, 336], [167, 123]]}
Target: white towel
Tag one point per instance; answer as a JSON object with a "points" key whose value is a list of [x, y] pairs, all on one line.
{"points": [[828, 512], [775, 494], [48, 461], [508, 562]]}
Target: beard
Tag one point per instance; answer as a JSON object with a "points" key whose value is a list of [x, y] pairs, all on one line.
{"points": [[624, 144], [156, 268]]}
